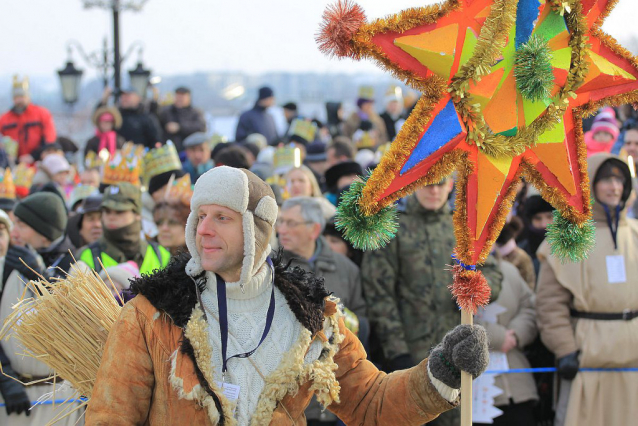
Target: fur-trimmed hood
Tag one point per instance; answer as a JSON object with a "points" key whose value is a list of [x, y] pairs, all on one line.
{"points": [[172, 291]]}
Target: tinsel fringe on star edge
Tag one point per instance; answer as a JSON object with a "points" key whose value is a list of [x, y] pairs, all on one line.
{"points": [[464, 241], [398, 153], [470, 289]]}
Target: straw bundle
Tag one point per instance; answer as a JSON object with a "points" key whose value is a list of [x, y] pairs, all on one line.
{"points": [[65, 325]]}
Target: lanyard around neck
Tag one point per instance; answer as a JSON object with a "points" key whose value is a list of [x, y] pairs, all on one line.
{"points": [[223, 319]]}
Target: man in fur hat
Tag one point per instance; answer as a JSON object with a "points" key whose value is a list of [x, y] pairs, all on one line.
{"points": [[229, 336]]}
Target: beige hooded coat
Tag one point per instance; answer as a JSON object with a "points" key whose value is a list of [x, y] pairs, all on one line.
{"points": [[596, 398]]}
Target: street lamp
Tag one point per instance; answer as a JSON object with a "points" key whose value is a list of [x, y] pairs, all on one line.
{"points": [[139, 78], [70, 78]]}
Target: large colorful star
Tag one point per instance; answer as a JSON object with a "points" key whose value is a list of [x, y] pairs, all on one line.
{"points": [[473, 119]]}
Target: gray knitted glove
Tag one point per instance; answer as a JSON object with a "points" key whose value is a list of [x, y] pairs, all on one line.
{"points": [[464, 348]]}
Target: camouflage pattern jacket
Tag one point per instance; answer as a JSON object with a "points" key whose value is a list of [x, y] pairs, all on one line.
{"points": [[406, 283]]}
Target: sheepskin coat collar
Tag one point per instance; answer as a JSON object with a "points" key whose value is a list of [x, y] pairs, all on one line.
{"points": [[173, 292]]}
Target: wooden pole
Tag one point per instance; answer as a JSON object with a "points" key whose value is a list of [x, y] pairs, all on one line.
{"points": [[466, 381]]}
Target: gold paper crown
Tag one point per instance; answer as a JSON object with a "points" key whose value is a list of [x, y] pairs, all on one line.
{"points": [[394, 90], [366, 92], [363, 139], [286, 158], [180, 190], [23, 175], [21, 84], [7, 187], [93, 161], [10, 146], [303, 129], [124, 166], [82, 192], [161, 160]]}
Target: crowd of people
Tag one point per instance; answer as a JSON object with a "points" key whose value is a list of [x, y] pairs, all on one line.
{"points": [[123, 209]]}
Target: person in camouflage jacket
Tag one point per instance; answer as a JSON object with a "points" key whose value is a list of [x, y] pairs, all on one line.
{"points": [[406, 283]]}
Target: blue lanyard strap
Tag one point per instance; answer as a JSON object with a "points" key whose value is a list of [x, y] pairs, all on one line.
{"points": [[223, 319]]}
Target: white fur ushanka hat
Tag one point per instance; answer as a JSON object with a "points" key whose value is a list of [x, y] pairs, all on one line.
{"points": [[242, 191]]}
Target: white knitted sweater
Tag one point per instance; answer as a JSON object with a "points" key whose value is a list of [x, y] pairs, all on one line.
{"points": [[246, 321]]}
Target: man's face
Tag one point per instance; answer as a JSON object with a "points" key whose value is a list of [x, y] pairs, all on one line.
{"points": [[609, 190], [61, 178], [115, 219], [198, 154], [631, 143], [542, 219], [220, 241], [367, 107], [346, 180], [4, 239], [394, 107], [91, 229], [295, 234], [22, 234], [182, 100], [130, 100], [337, 245], [20, 101], [433, 197], [289, 114], [332, 158], [267, 102], [90, 177]]}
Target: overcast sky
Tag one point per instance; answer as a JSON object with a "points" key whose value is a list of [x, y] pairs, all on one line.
{"points": [[185, 36]]}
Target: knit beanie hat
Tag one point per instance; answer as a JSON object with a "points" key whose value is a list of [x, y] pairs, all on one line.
{"points": [[265, 92], [242, 191], [606, 121], [45, 213], [536, 204]]}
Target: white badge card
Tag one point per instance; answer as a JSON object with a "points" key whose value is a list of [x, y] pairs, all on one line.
{"points": [[230, 391], [616, 272]]}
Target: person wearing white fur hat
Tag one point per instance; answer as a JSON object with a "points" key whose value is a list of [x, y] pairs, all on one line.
{"points": [[229, 336]]}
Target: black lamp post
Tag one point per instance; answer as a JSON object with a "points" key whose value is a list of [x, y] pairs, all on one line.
{"points": [[70, 78], [139, 78]]}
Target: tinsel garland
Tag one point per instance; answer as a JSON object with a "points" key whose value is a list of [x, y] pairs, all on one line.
{"points": [[569, 241], [365, 232], [469, 288], [533, 69]]}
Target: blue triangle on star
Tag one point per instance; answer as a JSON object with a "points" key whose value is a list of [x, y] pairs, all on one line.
{"points": [[445, 127]]}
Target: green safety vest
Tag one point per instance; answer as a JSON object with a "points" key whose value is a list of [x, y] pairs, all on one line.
{"points": [[156, 257]]}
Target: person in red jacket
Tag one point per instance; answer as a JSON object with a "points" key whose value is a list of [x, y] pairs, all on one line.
{"points": [[28, 124]]}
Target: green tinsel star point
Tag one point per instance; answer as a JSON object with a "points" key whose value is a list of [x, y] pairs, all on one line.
{"points": [[533, 69], [364, 232]]}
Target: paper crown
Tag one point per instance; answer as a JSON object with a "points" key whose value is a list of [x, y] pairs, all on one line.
{"points": [[93, 160], [394, 90], [20, 86], [10, 146], [23, 175], [161, 160], [7, 187], [81, 192], [366, 92], [180, 190], [125, 166], [364, 140], [303, 129], [286, 158]]}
